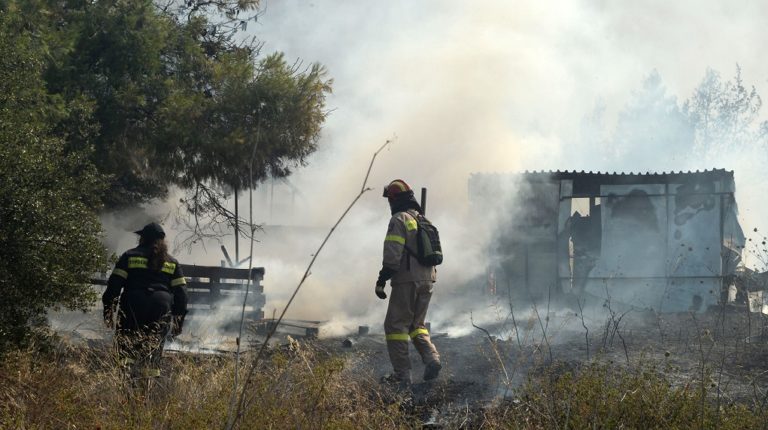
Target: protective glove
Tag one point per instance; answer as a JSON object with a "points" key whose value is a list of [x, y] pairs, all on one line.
{"points": [[384, 274], [380, 291]]}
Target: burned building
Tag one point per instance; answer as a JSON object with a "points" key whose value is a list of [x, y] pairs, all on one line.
{"points": [[662, 241]]}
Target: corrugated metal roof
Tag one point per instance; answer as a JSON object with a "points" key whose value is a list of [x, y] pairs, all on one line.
{"points": [[593, 173], [589, 182]]}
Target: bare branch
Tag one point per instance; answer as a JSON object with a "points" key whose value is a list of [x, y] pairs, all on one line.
{"points": [[204, 216], [543, 330], [242, 403], [495, 348], [583, 324]]}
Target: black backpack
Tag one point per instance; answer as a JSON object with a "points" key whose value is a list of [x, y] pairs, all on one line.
{"points": [[429, 252]]}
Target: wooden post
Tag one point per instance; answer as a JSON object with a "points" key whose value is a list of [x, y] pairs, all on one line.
{"points": [[237, 231]]}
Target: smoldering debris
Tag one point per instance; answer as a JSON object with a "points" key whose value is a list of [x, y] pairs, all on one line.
{"points": [[549, 234]]}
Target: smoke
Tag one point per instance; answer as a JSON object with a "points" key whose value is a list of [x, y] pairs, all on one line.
{"points": [[491, 86]]}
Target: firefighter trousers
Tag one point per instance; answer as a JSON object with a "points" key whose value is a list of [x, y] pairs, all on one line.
{"points": [[144, 322], [406, 312]]}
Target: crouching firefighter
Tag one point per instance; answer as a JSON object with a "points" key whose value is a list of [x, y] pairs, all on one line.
{"points": [[152, 304], [411, 282]]}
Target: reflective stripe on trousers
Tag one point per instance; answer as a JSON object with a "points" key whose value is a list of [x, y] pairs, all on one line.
{"points": [[407, 310]]}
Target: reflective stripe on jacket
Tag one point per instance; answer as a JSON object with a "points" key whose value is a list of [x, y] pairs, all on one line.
{"points": [[401, 233], [132, 272]]}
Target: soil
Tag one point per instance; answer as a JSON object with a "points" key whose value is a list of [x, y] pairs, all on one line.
{"points": [[727, 347]]}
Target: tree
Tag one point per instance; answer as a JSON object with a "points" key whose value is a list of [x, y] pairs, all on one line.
{"points": [[48, 193], [112, 102], [652, 130], [723, 113], [177, 100]]}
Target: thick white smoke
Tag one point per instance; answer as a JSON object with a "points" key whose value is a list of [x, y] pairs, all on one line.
{"points": [[477, 87]]}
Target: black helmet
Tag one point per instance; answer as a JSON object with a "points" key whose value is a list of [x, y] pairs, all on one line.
{"points": [[152, 230]]}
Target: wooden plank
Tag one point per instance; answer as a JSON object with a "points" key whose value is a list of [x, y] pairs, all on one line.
{"points": [[258, 288], [210, 272], [193, 271], [234, 288], [237, 294], [199, 297], [205, 297], [213, 292]]}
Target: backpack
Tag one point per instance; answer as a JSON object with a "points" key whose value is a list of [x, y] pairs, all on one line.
{"points": [[429, 252]]}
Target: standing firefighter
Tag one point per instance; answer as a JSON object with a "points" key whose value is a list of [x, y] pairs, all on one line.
{"points": [[412, 284], [153, 300]]}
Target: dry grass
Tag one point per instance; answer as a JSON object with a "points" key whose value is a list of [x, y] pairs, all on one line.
{"points": [[301, 386], [81, 388], [608, 397]]}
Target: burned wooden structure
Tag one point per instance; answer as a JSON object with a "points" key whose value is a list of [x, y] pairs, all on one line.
{"points": [[221, 290], [662, 241], [216, 295]]}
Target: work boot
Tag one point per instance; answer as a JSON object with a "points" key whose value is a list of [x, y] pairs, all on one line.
{"points": [[431, 370]]}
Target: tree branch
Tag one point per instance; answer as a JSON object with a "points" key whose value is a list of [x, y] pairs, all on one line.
{"points": [[242, 402]]}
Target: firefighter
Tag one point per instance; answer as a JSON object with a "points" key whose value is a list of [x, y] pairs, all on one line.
{"points": [[411, 289], [153, 300]]}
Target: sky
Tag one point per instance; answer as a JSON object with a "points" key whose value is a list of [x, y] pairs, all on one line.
{"points": [[498, 85], [473, 86]]}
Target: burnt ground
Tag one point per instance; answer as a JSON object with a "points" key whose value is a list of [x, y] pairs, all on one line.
{"points": [[726, 348]]}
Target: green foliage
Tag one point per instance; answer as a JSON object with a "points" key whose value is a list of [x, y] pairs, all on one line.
{"points": [[277, 112], [111, 102], [48, 228], [176, 101]]}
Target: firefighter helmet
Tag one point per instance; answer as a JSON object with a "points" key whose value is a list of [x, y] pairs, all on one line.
{"points": [[152, 230], [395, 187]]}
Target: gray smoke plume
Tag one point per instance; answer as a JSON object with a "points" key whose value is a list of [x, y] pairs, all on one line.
{"points": [[493, 86]]}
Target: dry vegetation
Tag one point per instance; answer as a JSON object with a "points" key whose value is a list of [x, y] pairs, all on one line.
{"points": [[311, 385], [77, 387]]}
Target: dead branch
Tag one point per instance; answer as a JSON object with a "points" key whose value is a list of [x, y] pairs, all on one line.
{"points": [[242, 402], [543, 330], [583, 324], [512, 313], [203, 216], [507, 381]]}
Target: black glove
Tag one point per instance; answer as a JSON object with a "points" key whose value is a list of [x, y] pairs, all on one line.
{"points": [[380, 291], [384, 274]]}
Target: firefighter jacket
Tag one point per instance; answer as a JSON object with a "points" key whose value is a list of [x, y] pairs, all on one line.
{"points": [[132, 272], [401, 237]]}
